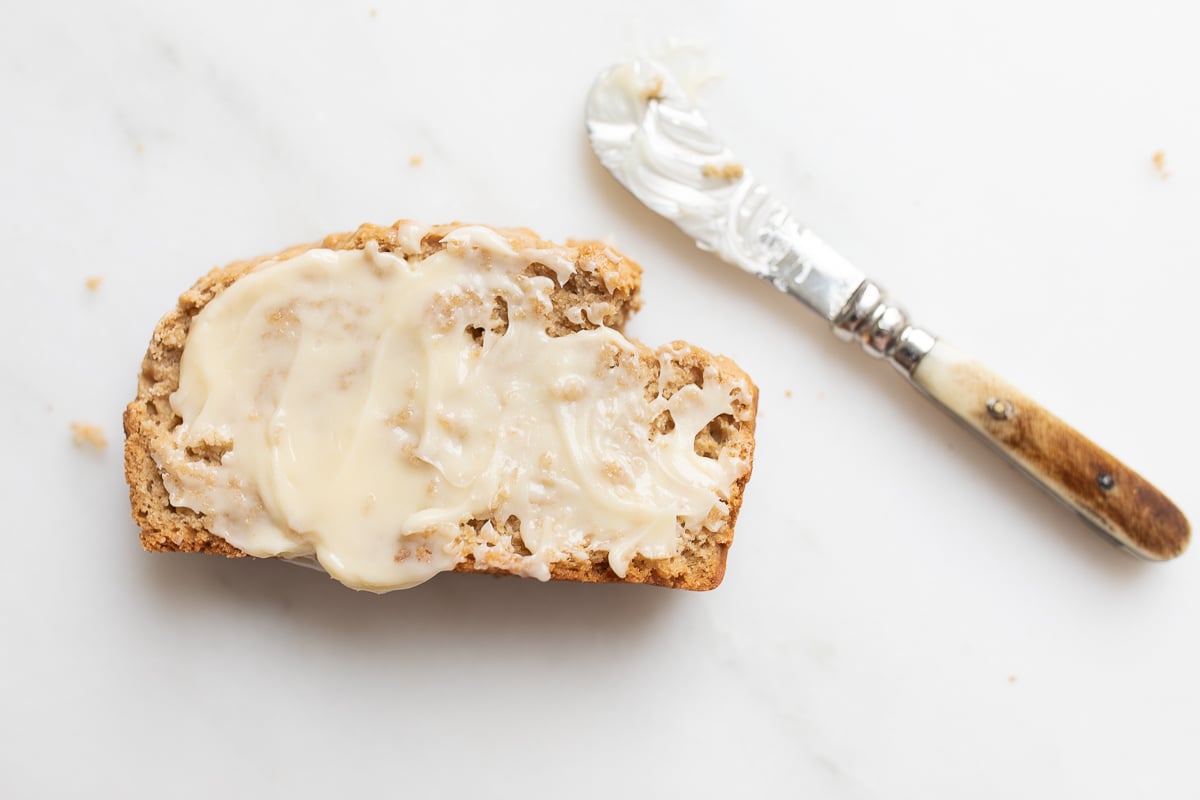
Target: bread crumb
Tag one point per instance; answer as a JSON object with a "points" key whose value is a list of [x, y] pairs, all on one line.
{"points": [[94, 282], [787, 393], [616, 473], [1160, 164], [84, 433], [568, 389], [1012, 678], [416, 160], [730, 172], [139, 148], [398, 419], [374, 12], [654, 90]]}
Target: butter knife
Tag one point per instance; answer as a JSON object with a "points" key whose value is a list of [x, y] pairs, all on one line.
{"points": [[647, 132]]}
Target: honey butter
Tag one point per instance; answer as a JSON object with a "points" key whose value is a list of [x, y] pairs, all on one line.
{"points": [[375, 413]]}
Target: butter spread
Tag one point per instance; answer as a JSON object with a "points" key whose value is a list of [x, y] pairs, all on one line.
{"points": [[376, 413]]}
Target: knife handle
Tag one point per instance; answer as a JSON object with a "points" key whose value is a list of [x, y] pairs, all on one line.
{"points": [[1114, 499]]}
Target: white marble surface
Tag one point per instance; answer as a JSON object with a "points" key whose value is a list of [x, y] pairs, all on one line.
{"points": [[903, 615]]}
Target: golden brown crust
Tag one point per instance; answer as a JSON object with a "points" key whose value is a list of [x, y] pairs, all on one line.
{"points": [[601, 274]]}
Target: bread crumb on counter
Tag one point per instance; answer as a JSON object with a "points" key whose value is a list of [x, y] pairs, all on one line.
{"points": [[87, 434], [730, 172], [374, 12], [1012, 678], [416, 160], [787, 393], [93, 282], [1160, 164]]}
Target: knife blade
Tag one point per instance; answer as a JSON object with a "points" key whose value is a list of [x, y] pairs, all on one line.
{"points": [[646, 130]]}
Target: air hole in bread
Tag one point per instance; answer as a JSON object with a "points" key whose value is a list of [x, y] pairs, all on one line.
{"points": [[510, 528], [476, 334], [721, 428], [713, 436], [431, 243], [542, 271], [513, 528], [209, 452], [518, 546], [499, 316], [663, 424]]}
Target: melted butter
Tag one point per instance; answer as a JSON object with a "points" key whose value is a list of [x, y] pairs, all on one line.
{"points": [[369, 410]]}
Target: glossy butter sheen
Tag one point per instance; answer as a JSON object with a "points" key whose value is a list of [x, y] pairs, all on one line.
{"points": [[365, 412]]}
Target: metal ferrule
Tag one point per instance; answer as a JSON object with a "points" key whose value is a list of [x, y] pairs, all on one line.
{"points": [[882, 329]]}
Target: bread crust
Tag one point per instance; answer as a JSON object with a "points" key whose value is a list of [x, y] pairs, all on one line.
{"points": [[601, 274]]}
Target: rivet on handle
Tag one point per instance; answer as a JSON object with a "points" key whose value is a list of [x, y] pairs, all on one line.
{"points": [[999, 409]]}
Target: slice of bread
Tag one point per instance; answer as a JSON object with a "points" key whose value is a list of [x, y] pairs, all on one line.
{"points": [[602, 279]]}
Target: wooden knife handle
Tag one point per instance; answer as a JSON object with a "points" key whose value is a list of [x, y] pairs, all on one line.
{"points": [[1111, 496]]}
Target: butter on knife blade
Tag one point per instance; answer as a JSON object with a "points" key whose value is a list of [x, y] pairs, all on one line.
{"points": [[649, 134]]}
